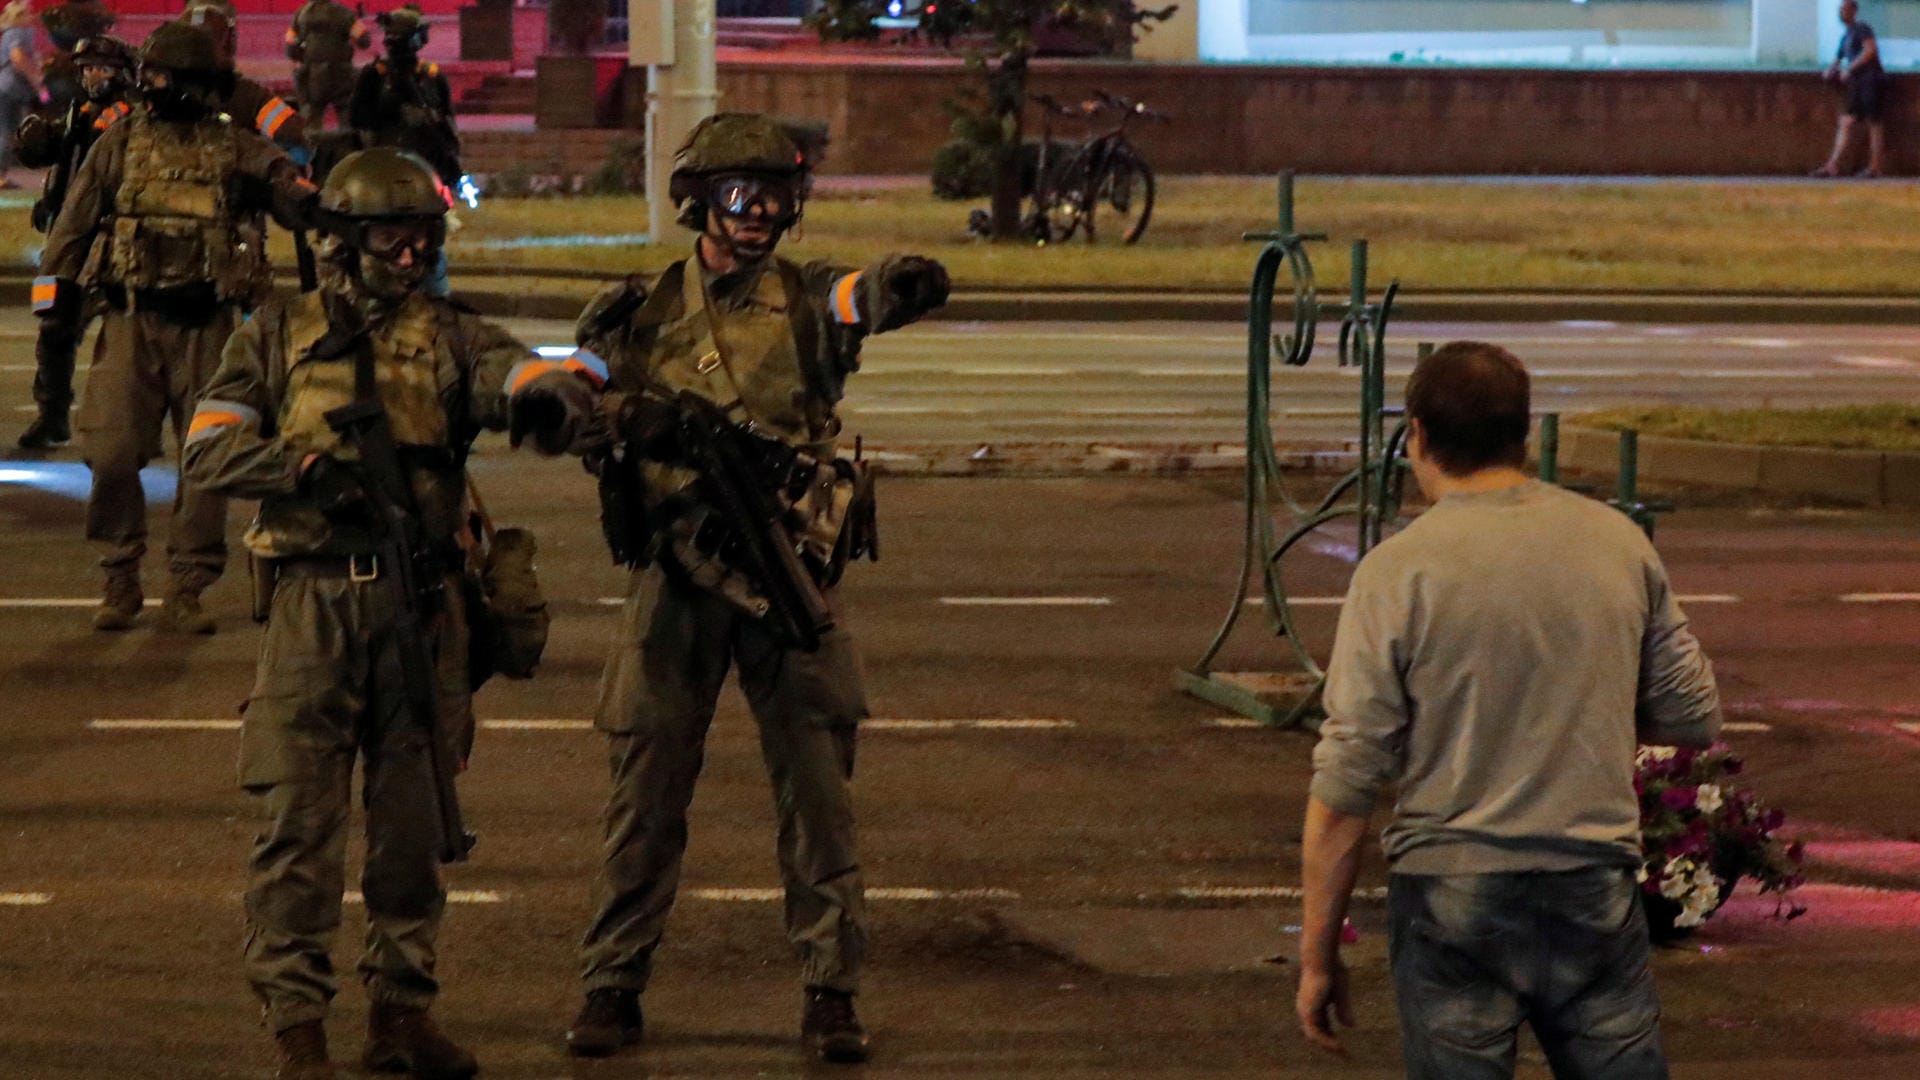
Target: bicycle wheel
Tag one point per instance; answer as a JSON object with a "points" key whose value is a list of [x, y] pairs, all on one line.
{"points": [[1125, 192]]}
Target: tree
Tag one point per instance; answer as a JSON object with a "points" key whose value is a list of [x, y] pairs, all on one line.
{"points": [[998, 38]]}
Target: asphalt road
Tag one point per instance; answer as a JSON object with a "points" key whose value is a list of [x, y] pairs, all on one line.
{"points": [[1156, 383], [1077, 871]]}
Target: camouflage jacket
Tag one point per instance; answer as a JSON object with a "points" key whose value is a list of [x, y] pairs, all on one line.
{"points": [[443, 375]]}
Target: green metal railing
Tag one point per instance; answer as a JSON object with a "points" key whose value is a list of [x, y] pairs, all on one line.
{"points": [[1371, 492], [1376, 482]]}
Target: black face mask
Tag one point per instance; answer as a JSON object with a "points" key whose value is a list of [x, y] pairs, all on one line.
{"points": [[176, 103]]}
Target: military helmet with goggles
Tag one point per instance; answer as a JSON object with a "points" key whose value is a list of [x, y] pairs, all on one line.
{"points": [[105, 51], [735, 144], [383, 200]]}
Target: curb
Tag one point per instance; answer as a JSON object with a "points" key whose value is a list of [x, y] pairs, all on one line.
{"points": [[1884, 479], [1134, 305]]}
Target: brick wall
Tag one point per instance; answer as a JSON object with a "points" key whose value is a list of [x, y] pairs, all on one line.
{"points": [[887, 117]]}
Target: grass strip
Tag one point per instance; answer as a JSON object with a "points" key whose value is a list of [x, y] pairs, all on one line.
{"points": [[1846, 427]]}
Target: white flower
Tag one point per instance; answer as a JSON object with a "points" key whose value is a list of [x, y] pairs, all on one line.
{"points": [[1707, 798], [1648, 754], [1679, 879], [1689, 917], [1640, 875]]}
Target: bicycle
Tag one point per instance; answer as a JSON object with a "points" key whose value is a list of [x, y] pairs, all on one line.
{"points": [[1107, 170]]}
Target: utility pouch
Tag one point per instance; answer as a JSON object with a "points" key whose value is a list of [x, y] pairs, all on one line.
{"points": [[624, 520], [265, 576], [507, 617]]}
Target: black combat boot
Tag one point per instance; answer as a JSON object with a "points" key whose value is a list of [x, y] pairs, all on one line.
{"points": [[46, 432], [121, 600], [829, 1028], [608, 1021], [404, 1039], [181, 613], [303, 1053]]}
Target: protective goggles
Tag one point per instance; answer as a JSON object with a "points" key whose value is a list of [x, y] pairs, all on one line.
{"points": [[737, 195], [387, 239]]}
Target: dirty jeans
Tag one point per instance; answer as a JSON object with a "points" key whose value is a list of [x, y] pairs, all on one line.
{"points": [[1476, 955]]}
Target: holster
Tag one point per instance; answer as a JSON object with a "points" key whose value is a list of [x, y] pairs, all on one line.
{"points": [[265, 575], [624, 520]]}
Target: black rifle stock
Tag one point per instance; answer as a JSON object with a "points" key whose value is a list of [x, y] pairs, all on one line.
{"points": [[409, 568], [797, 612]]}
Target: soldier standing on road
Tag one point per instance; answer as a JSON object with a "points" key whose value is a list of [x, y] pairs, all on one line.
{"points": [[106, 78], [400, 101], [330, 685], [67, 26], [249, 103], [158, 220], [771, 343], [321, 43]]}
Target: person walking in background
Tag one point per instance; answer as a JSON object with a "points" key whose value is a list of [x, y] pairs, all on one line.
{"points": [[321, 43], [1499, 659], [19, 78], [1857, 67]]}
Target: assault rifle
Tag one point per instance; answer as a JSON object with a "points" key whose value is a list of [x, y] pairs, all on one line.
{"points": [[412, 571], [735, 467]]}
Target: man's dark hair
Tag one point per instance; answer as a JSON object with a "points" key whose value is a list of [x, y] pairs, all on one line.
{"points": [[1472, 400]]}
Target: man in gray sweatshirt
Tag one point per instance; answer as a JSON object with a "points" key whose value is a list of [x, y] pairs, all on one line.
{"points": [[1499, 659]]}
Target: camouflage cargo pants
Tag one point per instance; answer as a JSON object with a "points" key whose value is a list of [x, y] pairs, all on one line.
{"points": [[656, 702], [147, 372], [328, 691]]}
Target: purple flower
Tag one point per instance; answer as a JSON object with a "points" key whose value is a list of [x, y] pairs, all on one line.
{"points": [[1678, 798]]}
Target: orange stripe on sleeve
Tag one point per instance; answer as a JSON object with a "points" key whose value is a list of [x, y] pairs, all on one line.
{"points": [[845, 306], [203, 421]]}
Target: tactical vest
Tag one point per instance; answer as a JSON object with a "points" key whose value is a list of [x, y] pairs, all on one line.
{"points": [[419, 372], [174, 222], [325, 32]]}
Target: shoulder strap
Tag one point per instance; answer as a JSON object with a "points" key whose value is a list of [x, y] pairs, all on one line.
{"points": [[805, 322]]}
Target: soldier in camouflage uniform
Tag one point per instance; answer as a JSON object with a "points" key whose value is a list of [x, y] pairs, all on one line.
{"points": [[67, 26], [250, 103], [329, 687], [772, 343], [106, 79], [159, 221], [399, 100], [321, 44]]}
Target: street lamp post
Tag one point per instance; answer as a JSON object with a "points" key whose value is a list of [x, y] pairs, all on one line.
{"points": [[674, 41]]}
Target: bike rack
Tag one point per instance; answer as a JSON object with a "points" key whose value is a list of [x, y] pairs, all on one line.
{"points": [[1291, 699]]}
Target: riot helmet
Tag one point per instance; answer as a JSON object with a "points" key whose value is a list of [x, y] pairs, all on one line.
{"points": [[182, 77], [741, 168], [106, 66], [404, 30], [385, 210], [216, 21]]}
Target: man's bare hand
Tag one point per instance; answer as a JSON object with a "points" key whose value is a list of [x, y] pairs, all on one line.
{"points": [[1323, 997]]}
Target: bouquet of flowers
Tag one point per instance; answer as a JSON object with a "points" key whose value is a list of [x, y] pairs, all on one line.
{"points": [[1701, 833]]}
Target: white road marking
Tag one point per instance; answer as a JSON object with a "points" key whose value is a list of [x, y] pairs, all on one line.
{"points": [[1262, 892], [1878, 363], [454, 896], [1908, 727], [1336, 601], [1588, 324], [60, 602], [25, 899], [1143, 410], [1759, 342], [768, 896], [1880, 598], [1234, 722], [187, 724], [1667, 331], [910, 410], [1188, 373], [890, 724], [537, 725], [1753, 726], [1026, 601], [970, 372]]}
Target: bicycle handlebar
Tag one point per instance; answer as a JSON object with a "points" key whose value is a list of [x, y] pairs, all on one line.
{"points": [[1128, 105]]}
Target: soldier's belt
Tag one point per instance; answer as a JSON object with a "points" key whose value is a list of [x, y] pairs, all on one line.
{"points": [[351, 567]]}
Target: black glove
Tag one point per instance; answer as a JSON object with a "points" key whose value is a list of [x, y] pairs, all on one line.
{"points": [[333, 488], [915, 286], [650, 426], [554, 409]]}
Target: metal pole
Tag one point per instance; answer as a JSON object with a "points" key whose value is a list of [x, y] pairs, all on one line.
{"points": [[1286, 202], [1628, 492], [1369, 402], [680, 93], [1550, 448]]}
